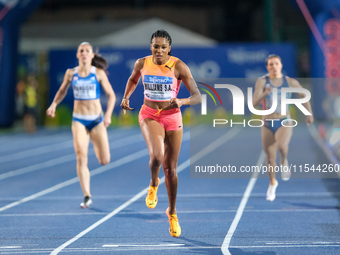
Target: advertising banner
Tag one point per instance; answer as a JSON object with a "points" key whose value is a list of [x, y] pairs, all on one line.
{"points": [[227, 60]]}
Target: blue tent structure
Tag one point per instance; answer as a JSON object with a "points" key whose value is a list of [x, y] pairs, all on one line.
{"points": [[12, 14]]}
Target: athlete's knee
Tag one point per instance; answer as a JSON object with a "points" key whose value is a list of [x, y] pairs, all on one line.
{"points": [[81, 158], [271, 159], [104, 160], [170, 172], [282, 148], [156, 159]]}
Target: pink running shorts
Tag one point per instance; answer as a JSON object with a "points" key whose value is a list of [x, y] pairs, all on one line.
{"points": [[169, 119]]}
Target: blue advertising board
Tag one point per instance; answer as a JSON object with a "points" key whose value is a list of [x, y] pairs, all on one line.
{"points": [[224, 61]]}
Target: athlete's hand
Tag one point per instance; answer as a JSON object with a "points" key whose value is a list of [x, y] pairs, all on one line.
{"points": [[107, 121], [51, 110], [125, 105], [177, 103], [309, 119], [268, 90]]}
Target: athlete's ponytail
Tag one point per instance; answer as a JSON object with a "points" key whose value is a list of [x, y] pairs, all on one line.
{"points": [[99, 61]]}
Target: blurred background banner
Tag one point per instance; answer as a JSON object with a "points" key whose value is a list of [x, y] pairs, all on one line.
{"points": [[216, 39], [326, 60], [227, 60]]}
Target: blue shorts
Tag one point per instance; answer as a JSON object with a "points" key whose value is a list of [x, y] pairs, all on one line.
{"points": [[274, 125], [89, 121]]}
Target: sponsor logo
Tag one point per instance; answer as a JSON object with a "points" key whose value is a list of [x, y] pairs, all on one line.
{"points": [[157, 79]]}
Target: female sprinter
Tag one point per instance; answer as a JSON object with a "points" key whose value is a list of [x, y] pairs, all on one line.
{"points": [[160, 117], [274, 136], [89, 121]]}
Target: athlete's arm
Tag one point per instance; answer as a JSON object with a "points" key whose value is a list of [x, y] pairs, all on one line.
{"points": [[61, 93], [132, 84], [295, 84], [183, 73], [106, 85], [260, 92]]}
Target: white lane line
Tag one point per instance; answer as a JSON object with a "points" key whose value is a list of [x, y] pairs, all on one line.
{"points": [[168, 247], [50, 148], [182, 212], [217, 143], [24, 138], [93, 226], [37, 151], [197, 195], [153, 249], [286, 246], [283, 194], [12, 145], [10, 247], [110, 166], [250, 186], [50, 214], [328, 152], [117, 163], [38, 166], [142, 245], [214, 145], [234, 210], [117, 144], [108, 249], [299, 242]]}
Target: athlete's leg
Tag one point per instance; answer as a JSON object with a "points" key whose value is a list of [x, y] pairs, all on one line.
{"points": [[173, 140], [282, 137], [81, 139], [154, 134], [100, 143], [269, 146]]}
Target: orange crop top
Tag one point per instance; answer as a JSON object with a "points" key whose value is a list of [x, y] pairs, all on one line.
{"points": [[160, 83]]}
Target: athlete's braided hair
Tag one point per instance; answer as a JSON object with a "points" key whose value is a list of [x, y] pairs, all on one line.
{"points": [[98, 60], [164, 34]]}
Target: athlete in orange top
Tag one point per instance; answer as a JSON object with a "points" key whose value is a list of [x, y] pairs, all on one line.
{"points": [[160, 118]]}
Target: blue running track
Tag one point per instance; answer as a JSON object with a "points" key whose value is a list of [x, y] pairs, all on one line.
{"points": [[40, 196]]}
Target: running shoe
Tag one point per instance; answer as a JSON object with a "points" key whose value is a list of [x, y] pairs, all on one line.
{"points": [[151, 199], [271, 191], [285, 173], [175, 228], [87, 202]]}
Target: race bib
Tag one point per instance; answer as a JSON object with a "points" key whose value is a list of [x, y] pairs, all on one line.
{"points": [[158, 88], [84, 89]]}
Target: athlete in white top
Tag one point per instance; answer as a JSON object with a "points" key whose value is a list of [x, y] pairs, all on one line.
{"points": [[89, 122], [274, 136]]}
